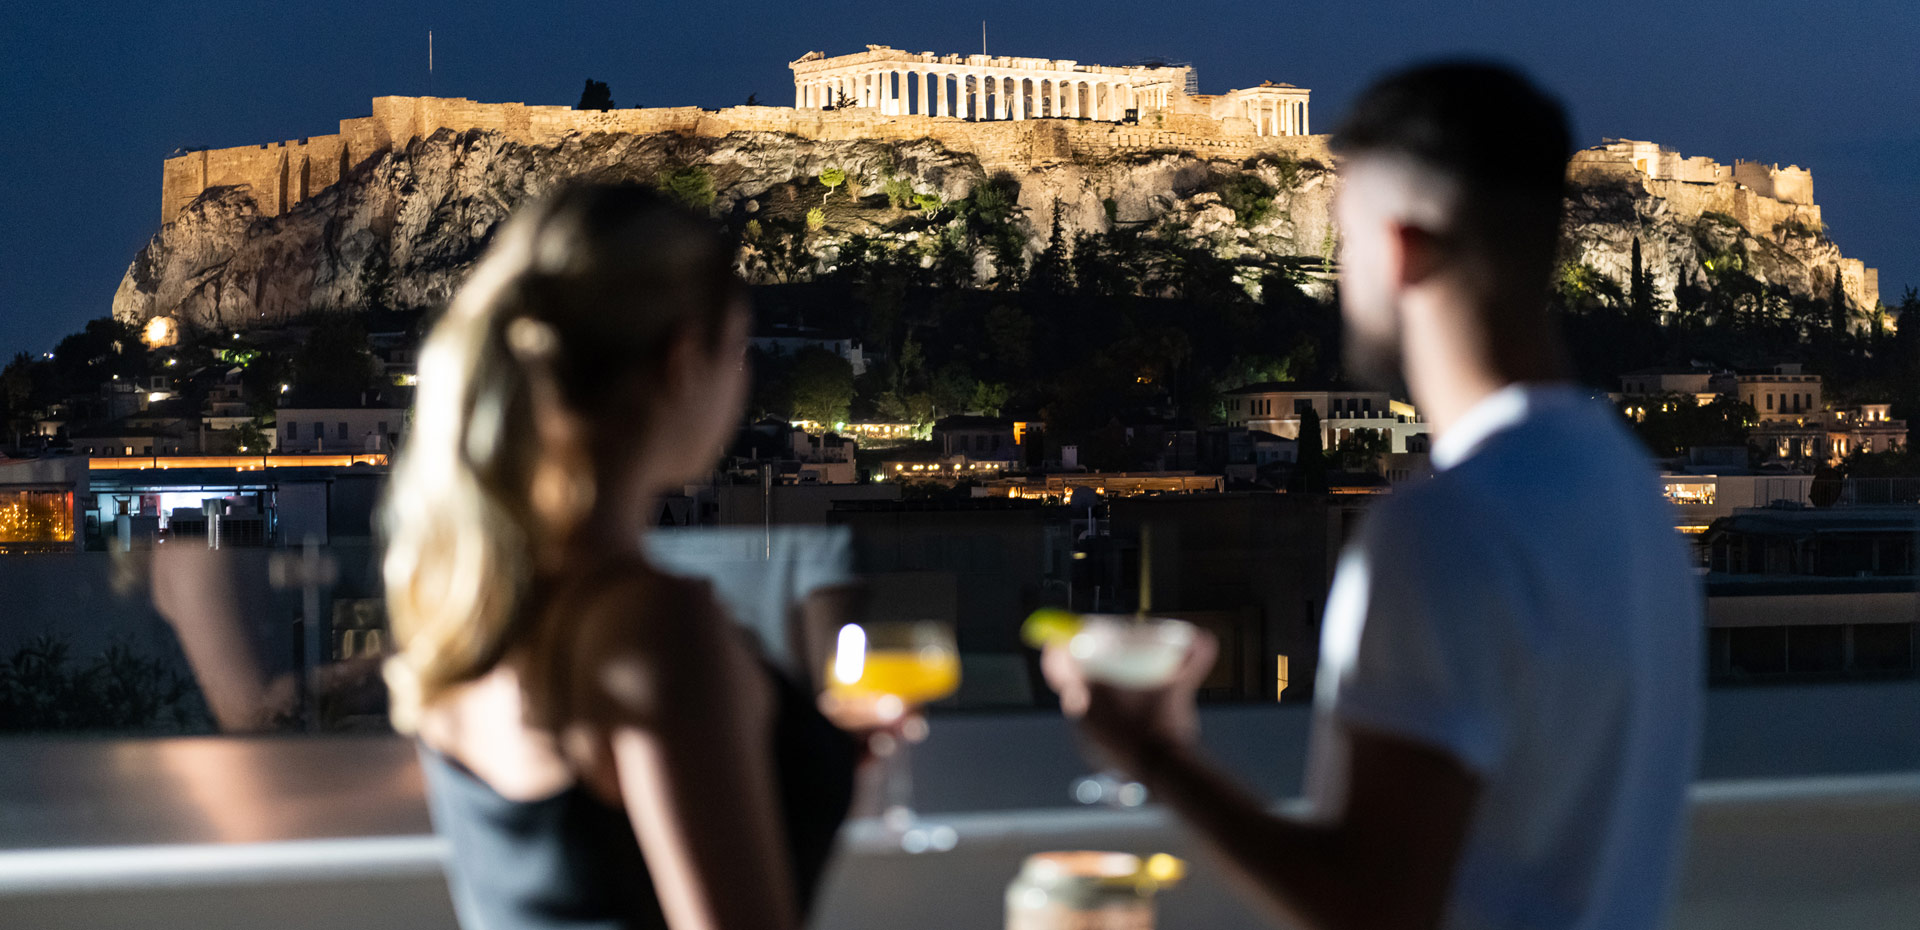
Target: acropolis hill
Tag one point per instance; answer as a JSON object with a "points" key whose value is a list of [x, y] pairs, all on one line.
{"points": [[394, 206], [1063, 109]]}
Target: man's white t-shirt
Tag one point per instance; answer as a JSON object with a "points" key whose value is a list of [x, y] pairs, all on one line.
{"points": [[1530, 610]]}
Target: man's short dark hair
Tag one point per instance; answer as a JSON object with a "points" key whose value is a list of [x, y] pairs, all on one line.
{"points": [[1484, 125]]}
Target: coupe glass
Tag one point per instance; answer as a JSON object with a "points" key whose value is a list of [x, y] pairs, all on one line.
{"points": [[897, 667], [1133, 652]]}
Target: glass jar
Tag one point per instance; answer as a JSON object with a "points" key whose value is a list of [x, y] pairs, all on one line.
{"points": [[1087, 891]]}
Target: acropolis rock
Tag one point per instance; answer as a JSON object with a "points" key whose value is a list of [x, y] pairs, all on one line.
{"points": [[396, 206]]}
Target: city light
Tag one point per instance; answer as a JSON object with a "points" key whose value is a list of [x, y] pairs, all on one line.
{"points": [[244, 462], [36, 516]]}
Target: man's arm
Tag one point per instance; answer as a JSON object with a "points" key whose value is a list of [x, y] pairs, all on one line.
{"points": [[1384, 862]]}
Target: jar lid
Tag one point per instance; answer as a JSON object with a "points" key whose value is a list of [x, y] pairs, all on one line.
{"points": [[1093, 870]]}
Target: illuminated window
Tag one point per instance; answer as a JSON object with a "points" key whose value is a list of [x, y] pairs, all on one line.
{"points": [[1691, 492], [35, 517]]}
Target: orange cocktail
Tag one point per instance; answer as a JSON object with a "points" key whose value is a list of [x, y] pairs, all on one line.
{"points": [[915, 676]]}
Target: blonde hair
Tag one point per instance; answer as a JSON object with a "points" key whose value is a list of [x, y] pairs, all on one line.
{"points": [[576, 303]]}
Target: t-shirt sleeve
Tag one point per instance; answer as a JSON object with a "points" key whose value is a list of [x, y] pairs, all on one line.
{"points": [[1419, 630]]}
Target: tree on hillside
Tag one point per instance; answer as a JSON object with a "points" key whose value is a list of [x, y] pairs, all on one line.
{"points": [[1360, 450], [336, 362], [1052, 272], [822, 386], [104, 350], [1640, 287], [1837, 307], [691, 185], [832, 178], [1310, 473], [595, 96], [16, 395], [1670, 424]]}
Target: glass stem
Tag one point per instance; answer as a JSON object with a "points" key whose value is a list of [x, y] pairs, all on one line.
{"points": [[898, 811]]}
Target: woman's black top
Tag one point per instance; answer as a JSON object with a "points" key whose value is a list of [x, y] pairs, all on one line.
{"points": [[572, 861]]}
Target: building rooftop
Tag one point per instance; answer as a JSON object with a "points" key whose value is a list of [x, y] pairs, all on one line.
{"points": [[1289, 387]]}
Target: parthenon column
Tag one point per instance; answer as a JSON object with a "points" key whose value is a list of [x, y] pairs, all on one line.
{"points": [[1019, 98], [1303, 118]]}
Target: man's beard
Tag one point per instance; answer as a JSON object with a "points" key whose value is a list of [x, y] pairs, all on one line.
{"points": [[1374, 359]]}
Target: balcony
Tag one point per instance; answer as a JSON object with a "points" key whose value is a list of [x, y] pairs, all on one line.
{"points": [[1807, 815]]}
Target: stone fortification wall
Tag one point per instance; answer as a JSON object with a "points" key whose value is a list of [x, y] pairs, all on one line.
{"points": [[1770, 202], [282, 174], [1627, 158], [1792, 184]]}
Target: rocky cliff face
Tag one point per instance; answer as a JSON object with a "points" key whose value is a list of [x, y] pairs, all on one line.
{"points": [[403, 228], [1681, 247]]}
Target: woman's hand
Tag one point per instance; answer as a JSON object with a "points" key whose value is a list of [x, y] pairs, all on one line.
{"points": [[879, 722], [1127, 725]]}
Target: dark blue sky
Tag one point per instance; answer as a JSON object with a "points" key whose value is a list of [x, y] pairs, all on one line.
{"points": [[96, 94]]}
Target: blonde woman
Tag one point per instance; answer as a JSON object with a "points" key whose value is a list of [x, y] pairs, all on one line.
{"points": [[602, 748]]}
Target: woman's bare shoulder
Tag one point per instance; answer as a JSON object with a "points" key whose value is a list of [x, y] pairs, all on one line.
{"points": [[643, 607], [645, 637]]}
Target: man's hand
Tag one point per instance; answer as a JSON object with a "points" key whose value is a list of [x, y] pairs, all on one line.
{"points": [[1127, 726]]}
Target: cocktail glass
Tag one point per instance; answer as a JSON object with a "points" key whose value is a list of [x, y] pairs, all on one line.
{"points": [[1132, 652], [895, 668]]}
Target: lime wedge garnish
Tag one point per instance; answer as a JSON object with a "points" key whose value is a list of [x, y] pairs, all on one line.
{"points": [[1165, 869], [1049, 625]]}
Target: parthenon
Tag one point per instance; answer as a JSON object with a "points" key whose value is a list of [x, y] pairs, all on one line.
{"points": [[978, 87]]}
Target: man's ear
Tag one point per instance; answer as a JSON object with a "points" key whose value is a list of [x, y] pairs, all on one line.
{"points": [[1416, 254]]}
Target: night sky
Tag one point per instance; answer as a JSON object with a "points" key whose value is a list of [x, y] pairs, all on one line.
{"points": [[96, 94]]}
